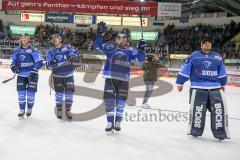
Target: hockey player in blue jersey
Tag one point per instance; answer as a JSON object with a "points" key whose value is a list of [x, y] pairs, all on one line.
{"points": [[59, 60], [26, 61], [117, 73], [207, 75]]}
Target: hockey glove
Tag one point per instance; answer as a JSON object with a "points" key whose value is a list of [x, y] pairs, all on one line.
{"points": [[142, 44], [33, 75], [14, 69], [101, 28]]}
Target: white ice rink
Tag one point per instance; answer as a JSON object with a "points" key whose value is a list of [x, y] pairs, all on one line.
{"points": [[44, 137]]}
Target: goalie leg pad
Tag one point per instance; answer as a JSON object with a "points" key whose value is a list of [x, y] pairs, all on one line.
{"points": [[198, 108], [219, 115]]}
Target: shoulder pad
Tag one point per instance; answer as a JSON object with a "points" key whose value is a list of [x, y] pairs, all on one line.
{"points": [[109, 46]]}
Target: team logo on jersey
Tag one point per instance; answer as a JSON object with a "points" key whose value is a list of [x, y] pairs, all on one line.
{"points": [[28, 51], [59, 57], [22, 57], [207, 64]]}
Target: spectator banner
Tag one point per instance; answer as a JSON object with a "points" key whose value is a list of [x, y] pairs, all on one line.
{"points": [[110, 20], [57, 18], [232, 61], [179, 56], [146, 35], [83, 6], [208, 15], [169, 9], [134, 21], [32, 17], [20, 30], [83, 19]]}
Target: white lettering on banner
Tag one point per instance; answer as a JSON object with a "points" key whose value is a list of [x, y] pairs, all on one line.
{"points": [[110, 20], [134, 21], [209, 73], [198, 116], [218, 118], [169, 9], [83, 19], [32, 17]]}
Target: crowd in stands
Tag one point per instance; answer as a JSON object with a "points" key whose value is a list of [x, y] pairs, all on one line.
{"points": [[177, 39], [187, 39]]}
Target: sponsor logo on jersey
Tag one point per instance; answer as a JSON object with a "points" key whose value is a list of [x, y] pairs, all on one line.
{"points": [[27, 64], [209, 73], [64, 49], [28, 51], [207, 64], [122, 63]]}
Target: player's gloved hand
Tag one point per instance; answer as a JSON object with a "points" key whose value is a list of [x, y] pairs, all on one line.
{"points": [[15, 69], [142, 44], [72, 57], [52, 63], [33, 75], [101, 28]]}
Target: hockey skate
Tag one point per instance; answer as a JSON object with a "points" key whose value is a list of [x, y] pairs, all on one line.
{"points": [[110, 128], [59, 112], [29, 113], [146, 106], [117, 126], [21, 114], [68, 114]]}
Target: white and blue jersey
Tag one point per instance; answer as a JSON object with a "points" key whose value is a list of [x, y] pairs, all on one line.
{"points": [[117, 65], [59, 55], [26, 60], [205, 71]]}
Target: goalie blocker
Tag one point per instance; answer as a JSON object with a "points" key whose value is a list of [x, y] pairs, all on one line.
{"points": [[214, 101]]}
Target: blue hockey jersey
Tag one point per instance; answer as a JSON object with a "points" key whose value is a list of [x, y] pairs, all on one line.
{"points": [[117, 65], [26, 59], [59, 55], [205, 71]]}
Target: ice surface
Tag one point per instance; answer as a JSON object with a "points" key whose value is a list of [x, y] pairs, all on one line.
{"points": [[43, 137]]}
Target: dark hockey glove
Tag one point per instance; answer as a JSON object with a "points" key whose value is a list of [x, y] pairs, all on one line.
{"points": [[14, 69], [142, 44], [52, 64], [33, 75], [72, 57], [101, 28]]}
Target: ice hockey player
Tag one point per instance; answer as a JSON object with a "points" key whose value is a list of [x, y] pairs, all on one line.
{"points": [[59, 60], [207, 75], [117, 73], [26, 61]]}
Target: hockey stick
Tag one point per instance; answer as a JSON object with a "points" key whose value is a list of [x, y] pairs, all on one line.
{"points": [[9, 79]]}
